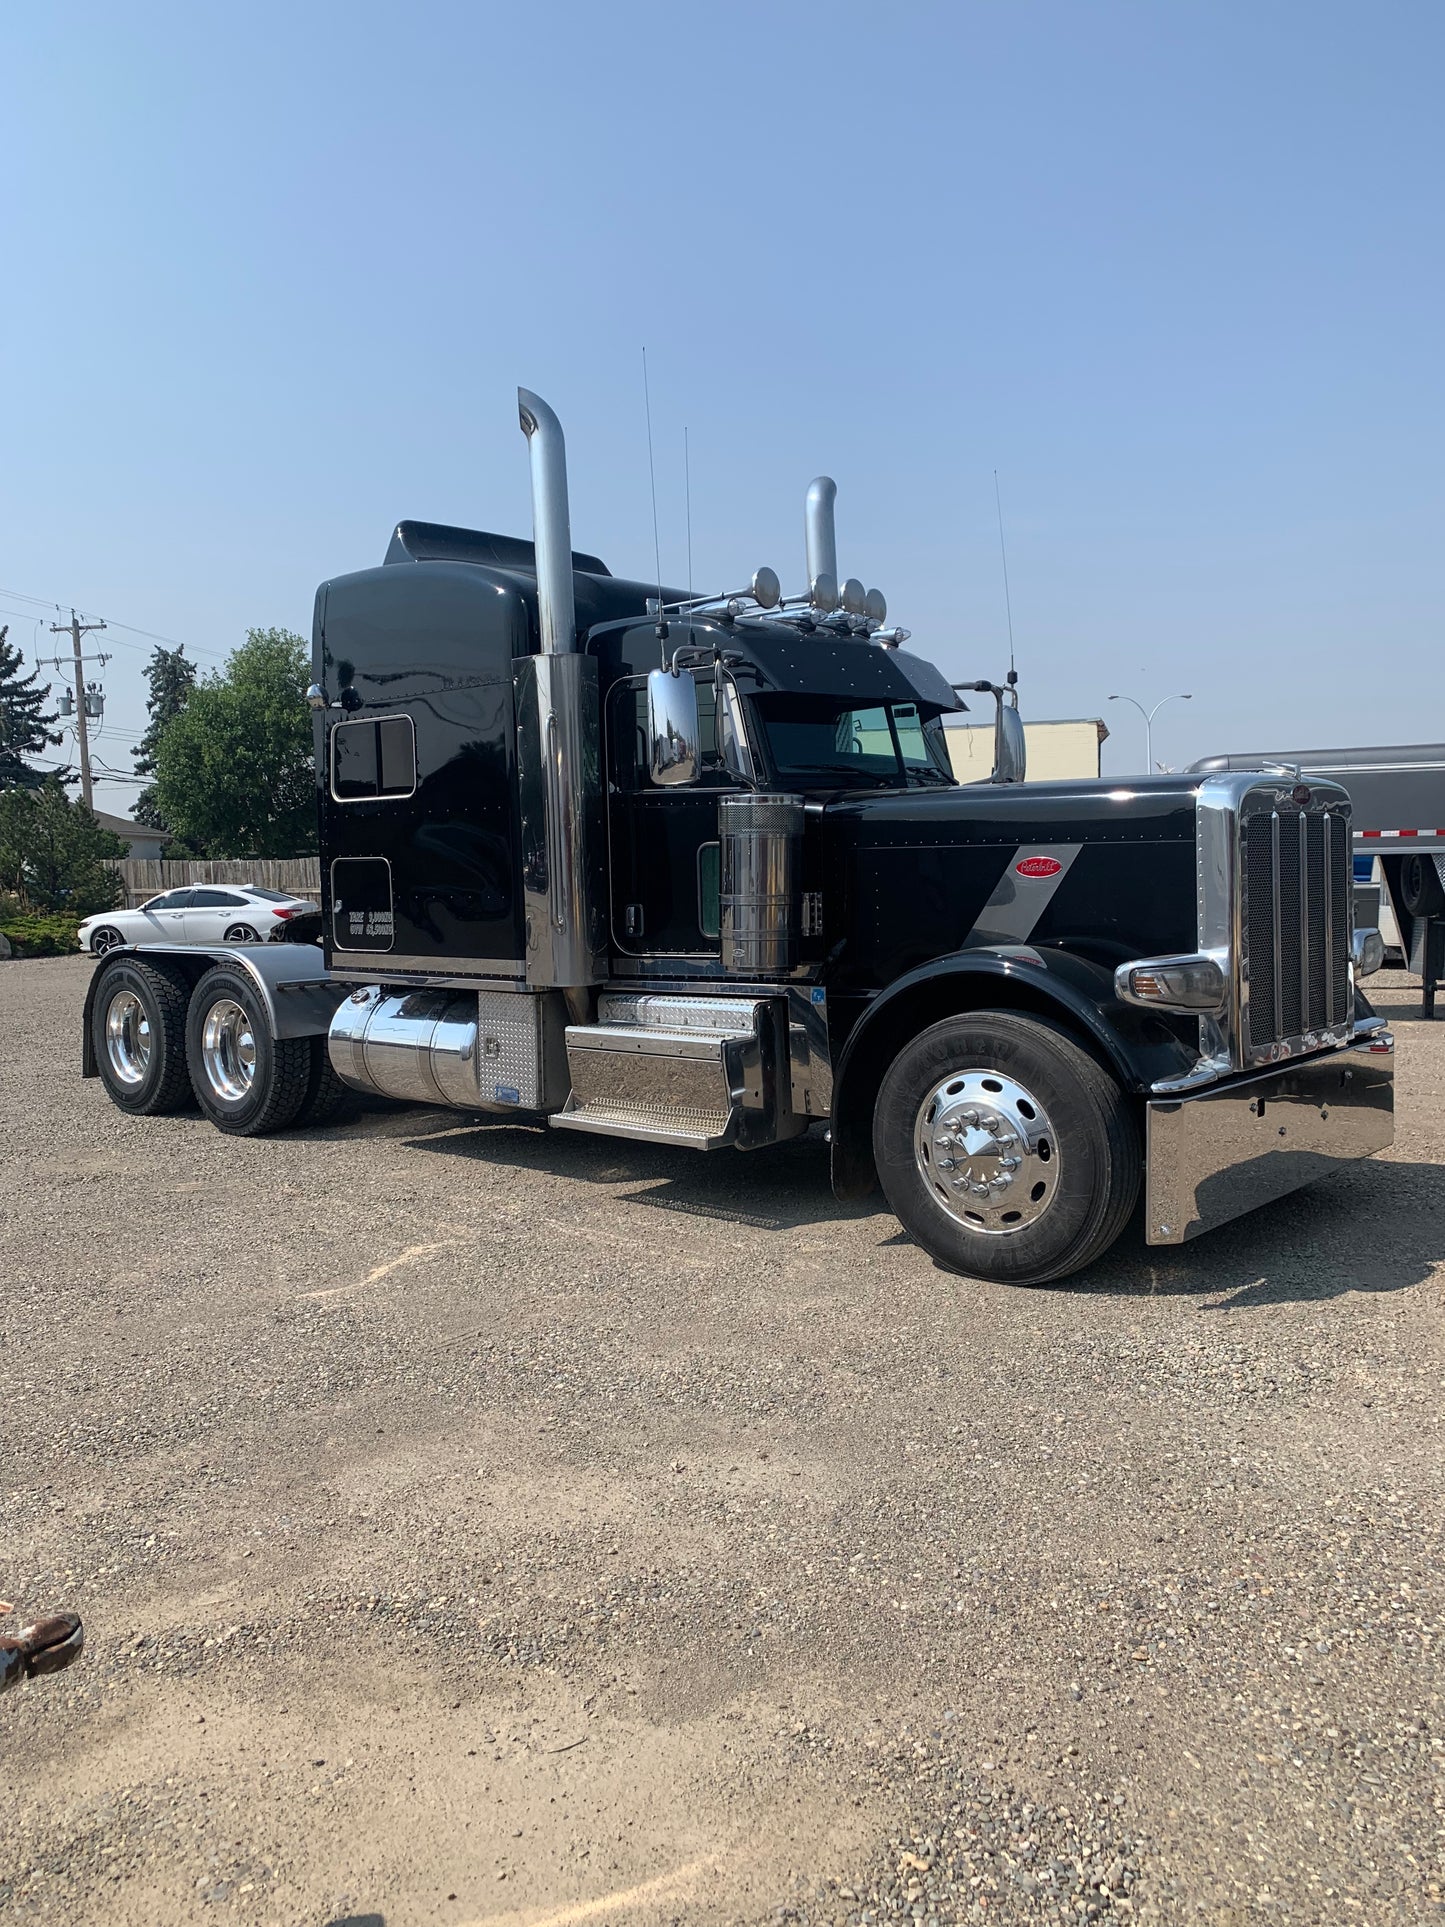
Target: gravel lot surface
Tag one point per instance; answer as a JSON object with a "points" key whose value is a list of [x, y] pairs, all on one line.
{"points": [[479, 1524]]}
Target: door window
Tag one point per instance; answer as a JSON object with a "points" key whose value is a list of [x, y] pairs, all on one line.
{"points": [[216, 900], [631, 763]]}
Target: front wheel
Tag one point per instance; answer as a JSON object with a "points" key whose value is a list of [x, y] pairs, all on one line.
{"points": [[1005, 1149], [248, 1081], [106, 938]]}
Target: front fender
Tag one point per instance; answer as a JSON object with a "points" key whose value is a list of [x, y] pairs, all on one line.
{"points": [[1059, 985]]}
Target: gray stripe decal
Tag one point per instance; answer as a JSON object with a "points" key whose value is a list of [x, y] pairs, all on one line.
{"points": [[1017, 903]]}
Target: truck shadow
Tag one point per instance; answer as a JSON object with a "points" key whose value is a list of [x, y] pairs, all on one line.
{"points": [[1378, 1226], [780, 1188]]}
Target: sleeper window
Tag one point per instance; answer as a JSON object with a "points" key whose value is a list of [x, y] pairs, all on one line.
{"points": [[370, 759]]}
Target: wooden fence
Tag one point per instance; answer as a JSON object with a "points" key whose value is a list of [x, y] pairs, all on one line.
{"points": [[147, 876]]}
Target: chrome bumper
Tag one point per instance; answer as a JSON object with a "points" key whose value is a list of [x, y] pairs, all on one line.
{"points": [[1220, 1152]]}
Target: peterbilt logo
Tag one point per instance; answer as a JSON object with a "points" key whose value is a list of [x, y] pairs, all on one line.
{"points": [[1038, 866]]}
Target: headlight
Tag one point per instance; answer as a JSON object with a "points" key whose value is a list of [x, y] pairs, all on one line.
{"points": [[1172, 983]]}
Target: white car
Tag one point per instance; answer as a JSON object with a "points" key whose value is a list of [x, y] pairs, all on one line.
{"points": [[204, 913]]}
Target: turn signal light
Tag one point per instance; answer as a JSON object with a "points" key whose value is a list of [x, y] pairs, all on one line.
{"points": [[1172, 983]]}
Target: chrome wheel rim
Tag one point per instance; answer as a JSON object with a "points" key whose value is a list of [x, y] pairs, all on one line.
{"points": [[987, 1152], [127, 1038], [228, 1050]]}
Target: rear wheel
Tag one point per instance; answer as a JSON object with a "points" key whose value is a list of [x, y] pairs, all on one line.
{"points": [[327, 1098], [247, 1080], [1420, 888], [241, 933], [1006, 1151], [138, 1029]]}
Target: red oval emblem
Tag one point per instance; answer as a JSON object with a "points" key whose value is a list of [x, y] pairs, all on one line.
{"points": [[1039, 866]]}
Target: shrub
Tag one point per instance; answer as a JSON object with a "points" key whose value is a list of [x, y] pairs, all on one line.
{"points": [[41, 936]]}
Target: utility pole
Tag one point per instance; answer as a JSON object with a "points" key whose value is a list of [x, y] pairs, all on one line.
{"points": [[75, 630]]}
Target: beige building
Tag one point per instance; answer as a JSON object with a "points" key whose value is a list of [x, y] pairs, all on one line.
{"points": [[1056, 751]]}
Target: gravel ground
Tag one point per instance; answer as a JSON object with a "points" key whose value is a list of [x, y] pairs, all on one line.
{"points": [[476, 1524]]}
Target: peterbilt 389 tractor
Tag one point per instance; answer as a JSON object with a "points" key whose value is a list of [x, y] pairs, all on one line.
{"points": [[697, 871]]}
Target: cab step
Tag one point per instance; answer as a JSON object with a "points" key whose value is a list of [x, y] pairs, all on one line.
{"points": [[669, 1070]]}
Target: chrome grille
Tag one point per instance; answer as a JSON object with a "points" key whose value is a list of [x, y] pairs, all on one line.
{"points": [[1296, 918]]}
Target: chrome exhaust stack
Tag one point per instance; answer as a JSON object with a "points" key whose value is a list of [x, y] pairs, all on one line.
{"points": [[551, 524], [558, 743], [821, 541]]}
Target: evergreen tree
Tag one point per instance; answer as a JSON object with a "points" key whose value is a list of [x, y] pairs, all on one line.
{"points": [[53, 853], [24, 727], [171, 676]]}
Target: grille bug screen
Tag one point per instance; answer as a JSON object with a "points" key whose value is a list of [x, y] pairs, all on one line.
{"points": [[1297, 922]]}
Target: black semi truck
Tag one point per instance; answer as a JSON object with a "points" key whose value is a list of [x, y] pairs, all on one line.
{"points": [[697, 871]]}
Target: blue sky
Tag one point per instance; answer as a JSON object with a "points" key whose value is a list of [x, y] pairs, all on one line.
{"points": [[1174, 270]]}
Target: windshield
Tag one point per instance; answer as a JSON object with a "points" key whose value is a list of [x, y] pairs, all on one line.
{"points": [[884, 745]]}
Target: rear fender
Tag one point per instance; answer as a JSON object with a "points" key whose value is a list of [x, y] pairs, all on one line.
{"points": [[291, 980], [1136, 1047]]}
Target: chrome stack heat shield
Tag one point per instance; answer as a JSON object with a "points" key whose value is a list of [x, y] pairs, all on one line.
{"points": [[761, 852]]}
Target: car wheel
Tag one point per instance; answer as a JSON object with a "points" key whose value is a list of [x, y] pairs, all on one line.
{"points": [[106, 938], [241, 933], [247, 1080], [1005, 1149], [138, 1029], [1420, 888]]}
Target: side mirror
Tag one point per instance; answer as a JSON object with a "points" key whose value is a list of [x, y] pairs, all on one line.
{"points": [[1010, 757], [672, 731]]}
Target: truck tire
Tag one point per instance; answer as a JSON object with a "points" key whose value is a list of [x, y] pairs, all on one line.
{"points": [[1420, 891], [247, 1080], [328, 1099], [1006, 1151], [138, 1029]]}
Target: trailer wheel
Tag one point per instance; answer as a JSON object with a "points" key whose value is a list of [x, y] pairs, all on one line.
{"points": [[1420, 889], [138, 1029], [1006, 1151], [248, 1081]]}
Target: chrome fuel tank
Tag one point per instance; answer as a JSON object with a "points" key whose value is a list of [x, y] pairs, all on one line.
{"points": [[488, 1050]]}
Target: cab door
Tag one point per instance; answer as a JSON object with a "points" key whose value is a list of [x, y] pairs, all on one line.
{"points": [[662, 842]]}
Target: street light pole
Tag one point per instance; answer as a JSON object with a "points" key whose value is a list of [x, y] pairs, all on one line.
{"points": [[1149, 715]]}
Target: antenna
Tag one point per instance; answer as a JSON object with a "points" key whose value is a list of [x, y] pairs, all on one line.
{"points": [[1007, 600], [687, 485], [652, 476]]}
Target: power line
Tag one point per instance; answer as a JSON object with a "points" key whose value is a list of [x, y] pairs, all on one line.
{"points": [[45, 602]]}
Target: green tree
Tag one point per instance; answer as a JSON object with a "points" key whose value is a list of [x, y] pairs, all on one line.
{"points": [[53, 853], [234, 773], [171, 675], [24, 727]]}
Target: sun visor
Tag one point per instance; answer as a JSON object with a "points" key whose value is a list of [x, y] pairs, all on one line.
{"points": [[818, 665]]}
